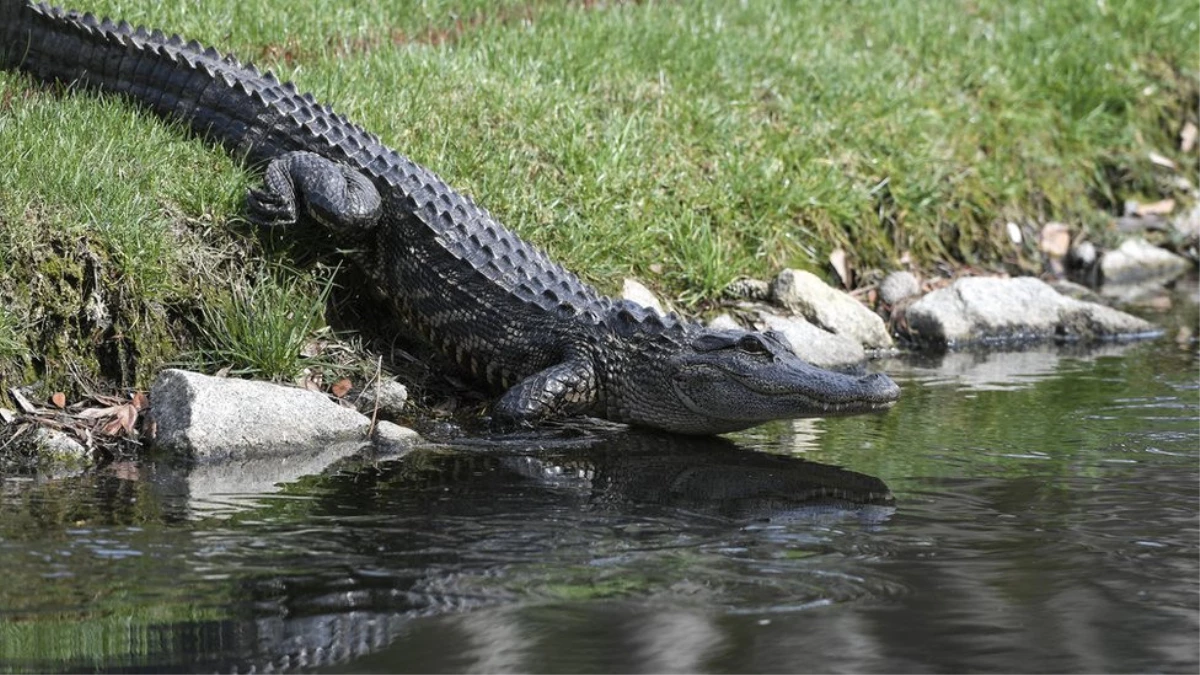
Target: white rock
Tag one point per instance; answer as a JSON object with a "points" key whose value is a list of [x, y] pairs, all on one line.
{"points": [[983, 309], [899, 286], [1137, 261], [634, 291], [724, 322], [830, 309], [819, 347], [393, 437], [389, 395], [214, 417], [59, 446]]}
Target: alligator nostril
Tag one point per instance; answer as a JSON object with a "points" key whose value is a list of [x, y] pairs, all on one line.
{"points": [[881, 387]]}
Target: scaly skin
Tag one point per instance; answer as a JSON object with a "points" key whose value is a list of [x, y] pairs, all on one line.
{"points": [[490, 301]]}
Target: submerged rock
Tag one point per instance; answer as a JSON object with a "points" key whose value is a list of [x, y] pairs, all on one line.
{"points": [[830, 309], [214, 417], [982, 309]]}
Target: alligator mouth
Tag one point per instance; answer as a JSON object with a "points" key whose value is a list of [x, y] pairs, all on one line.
{"points": [[765, 400], [845, 394]]}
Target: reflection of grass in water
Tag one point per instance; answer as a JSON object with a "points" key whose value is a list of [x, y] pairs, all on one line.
{"points": [[115, 636], [623, 585], [75, 590]]}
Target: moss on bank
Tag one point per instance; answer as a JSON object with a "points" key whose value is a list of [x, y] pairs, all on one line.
{"points": [[684, 143]]}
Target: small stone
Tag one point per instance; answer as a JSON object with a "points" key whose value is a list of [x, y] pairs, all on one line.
{"points": [[1084, 255], [1014, 233], [1188, 223], [393, 437], [57, 445], [389, 396], [724, 322], [898, 286], [1077, 291], [1137, 261], [634, 291]]}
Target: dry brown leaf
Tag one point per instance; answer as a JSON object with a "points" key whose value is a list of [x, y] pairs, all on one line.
{"points": [[341, 387], [124, 418], [97, 413], [59, 400], [1055, 240], [840, 265], [1187, 137], [1163, 207]]}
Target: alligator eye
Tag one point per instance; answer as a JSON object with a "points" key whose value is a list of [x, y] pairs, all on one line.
{"points": [[752, 345]]}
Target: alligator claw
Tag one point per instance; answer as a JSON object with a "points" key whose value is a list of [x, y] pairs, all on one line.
{"points": [[270, 209]]}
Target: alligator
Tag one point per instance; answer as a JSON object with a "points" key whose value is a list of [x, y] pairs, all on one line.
{"points": [[547, 343]]}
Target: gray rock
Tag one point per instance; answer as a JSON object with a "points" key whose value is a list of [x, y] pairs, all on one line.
{"points": [[1188, 223], [1083, 255], [899, 286], [830, 309], [1137, 261], [57, 446], [982, 309], [724, 322], [1074, 290], [634, 291], [393, 438], [819, 347], [214, 417], [389, 396]]}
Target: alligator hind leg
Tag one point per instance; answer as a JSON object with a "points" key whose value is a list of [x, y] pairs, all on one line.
{"points": [[305, 183]]}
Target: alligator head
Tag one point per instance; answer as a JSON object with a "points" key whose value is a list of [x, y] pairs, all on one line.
{"points": [[707, 381]]}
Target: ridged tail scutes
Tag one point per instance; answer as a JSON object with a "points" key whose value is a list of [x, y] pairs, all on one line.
{"points": [[250, 112]]}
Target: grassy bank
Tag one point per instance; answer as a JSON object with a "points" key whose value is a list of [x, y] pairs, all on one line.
{"points": [[684, 143]]}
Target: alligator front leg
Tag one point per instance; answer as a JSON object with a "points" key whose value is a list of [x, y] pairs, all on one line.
{"points": [[566, 389], [332, 194]]}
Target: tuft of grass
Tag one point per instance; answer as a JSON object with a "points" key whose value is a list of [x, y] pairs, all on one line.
{"points": [[262, 327]]}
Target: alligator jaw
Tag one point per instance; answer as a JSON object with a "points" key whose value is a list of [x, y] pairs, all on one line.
{"points": [[727, 392]]}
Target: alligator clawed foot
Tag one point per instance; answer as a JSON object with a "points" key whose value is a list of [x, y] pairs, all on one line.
{"points": [[270, 209]]}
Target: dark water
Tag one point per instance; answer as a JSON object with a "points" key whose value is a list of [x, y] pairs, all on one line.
{"points": [[1030, 511]]}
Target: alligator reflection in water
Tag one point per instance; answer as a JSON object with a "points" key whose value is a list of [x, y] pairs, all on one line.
{"points": [[337, 566]]}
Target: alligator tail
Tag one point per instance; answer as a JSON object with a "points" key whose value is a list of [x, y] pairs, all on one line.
{"points": [[249, 112]]}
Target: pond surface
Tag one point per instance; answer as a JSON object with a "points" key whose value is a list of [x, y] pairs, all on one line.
{"points": [[1022, 511]]}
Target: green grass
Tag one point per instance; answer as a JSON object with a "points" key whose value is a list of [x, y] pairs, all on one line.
{"points": [[261, 329], [683, 143]]}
